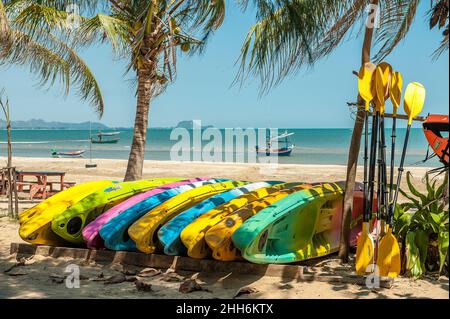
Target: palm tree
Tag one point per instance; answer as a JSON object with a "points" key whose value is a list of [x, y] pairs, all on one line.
{"points": [[291, 34], [149, 34], [24, 43]]}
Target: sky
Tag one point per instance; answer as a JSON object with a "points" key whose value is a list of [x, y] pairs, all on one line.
{"points": [[313, 98]]}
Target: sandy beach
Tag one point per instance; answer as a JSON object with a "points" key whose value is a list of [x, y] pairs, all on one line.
{"points": [[40, 277], [115, 169]]}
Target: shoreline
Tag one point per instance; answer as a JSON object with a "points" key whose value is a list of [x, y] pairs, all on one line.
{"points": [[115, 169], [148, 161]]}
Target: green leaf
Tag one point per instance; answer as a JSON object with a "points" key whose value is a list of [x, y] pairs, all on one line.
{"points": [[415, 203], [402, 224], [436, 218], [421, 240], [443, 239], [442, 188], [430, 189], [413, 190], [412, 256]]}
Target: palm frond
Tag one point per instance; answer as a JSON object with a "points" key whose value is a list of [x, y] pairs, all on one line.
{"points": [[443, 47], [291, 34], [396, 20], [85, 6], [103, 27], [5, 37], [439, 17], [43, 62], [4, 27], [33, 44], [287, 36], [81, 75]]}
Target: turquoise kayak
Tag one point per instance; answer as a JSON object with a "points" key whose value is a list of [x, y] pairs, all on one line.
{"points": [[169, 234], [115, 231], [301, 226]]}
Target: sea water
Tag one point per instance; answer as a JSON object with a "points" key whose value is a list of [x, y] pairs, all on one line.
{"points": [[312, 146]]}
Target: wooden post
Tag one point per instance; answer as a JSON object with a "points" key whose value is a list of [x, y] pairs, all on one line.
{"points": [[13, 205], [16, 196], [353, 155]]}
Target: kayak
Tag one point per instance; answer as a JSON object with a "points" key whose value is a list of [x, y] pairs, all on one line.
{"points": [[35, 223], [301, 226], [218, 237], [193, 235], [436, 128], [91, 231], [70, 223], [66, 197], [144, 231], [115, 231], [169, 234]]}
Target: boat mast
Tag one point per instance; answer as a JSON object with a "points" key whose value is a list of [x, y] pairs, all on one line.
{"points": [[90, 164]]}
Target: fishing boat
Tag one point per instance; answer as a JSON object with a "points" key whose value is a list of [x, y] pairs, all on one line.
{"points": [[106, 138], [72, 154], [285, 150]]}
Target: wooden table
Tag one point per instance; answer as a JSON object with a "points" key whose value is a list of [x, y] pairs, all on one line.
{"points": [[39, 186]]}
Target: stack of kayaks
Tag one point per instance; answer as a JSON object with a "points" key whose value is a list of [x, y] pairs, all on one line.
{"points": [[262, 222]]}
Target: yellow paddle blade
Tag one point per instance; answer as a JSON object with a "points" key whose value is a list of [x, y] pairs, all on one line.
{"points": [[382, 84], [365, 87], [396, 90], [414, 100], [388, 260], [364, 251]]}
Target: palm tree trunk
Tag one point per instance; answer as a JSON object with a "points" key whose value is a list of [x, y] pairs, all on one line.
{"points": [[353, 157], [137, 152]]}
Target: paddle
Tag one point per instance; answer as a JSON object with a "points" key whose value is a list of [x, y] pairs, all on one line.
{"points": [[388, 259], [396, 95], [383, 79], [364, 255]]}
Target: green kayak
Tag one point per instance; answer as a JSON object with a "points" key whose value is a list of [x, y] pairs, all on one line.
{"points": [[301, 226], [69, 224]]}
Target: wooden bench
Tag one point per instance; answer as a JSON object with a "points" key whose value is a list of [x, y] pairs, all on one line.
{"points": [[38, 188], [64, 186], [34, 189]]}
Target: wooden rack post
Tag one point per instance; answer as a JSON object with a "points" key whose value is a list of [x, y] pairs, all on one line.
{"points": [[389, 115]]}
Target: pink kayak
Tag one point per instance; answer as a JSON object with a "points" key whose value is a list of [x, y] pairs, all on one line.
{"points": [[91, 231]]}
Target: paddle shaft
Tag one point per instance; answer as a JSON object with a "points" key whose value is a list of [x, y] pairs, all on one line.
{"points": [[391, 176], [380, 201], [399, 177], [372, 164], [366, 217], [384, 192]]}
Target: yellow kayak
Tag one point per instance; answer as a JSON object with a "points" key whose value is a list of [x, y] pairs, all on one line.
{"points": [[36, 222], [143, 232], [193, 236], [218, 237], [63, 199], [69, 225], [38, 228]]}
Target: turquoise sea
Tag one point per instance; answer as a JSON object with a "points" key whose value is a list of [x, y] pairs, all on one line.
{"points": [[313, 146]]}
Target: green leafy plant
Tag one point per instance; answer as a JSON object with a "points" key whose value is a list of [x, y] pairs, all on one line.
{"points": [[422, 228]]}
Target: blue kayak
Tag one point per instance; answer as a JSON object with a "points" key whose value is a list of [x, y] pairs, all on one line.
{"points": [[115, 231], [169, 234]]}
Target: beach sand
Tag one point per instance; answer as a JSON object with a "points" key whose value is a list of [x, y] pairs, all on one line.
{"points": [[40, 277], [115, 169]]}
